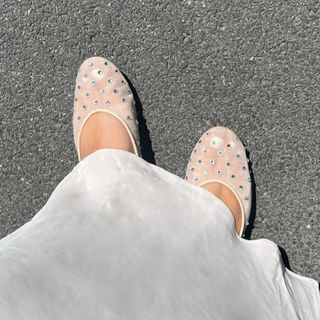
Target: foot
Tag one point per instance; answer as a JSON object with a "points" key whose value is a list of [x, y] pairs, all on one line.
{"points": [[104, 113], [103, 130], [228, 197], [218, 163]]}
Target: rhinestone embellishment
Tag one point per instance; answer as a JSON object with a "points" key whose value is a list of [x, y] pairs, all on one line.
{"points": [[227, 168], [93, 81]]}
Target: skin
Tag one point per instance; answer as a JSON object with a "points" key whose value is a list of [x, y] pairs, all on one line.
{"points": [[227, 196], [103, 130]]}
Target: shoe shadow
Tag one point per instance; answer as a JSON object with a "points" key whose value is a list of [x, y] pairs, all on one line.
{"points": [[145, 140], [250, 227]]}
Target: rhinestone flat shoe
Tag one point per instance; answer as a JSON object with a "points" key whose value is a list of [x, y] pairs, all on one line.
{"points": [[219, 156], [101, 87]]}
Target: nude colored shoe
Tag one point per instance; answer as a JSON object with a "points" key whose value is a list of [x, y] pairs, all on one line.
{"points": [[101, 87], [219, 156]]}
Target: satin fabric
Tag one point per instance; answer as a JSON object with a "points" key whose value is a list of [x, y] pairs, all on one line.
{"points": [[120, 238]]}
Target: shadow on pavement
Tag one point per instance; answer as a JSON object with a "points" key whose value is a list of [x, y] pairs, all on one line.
{"points": [[250, 227], [145, 140]]}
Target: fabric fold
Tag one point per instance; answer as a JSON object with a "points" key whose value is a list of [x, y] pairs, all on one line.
{"points": [[120, 238]]}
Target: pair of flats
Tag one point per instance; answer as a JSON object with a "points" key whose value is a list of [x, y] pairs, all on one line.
{"points": [[218, 156]]}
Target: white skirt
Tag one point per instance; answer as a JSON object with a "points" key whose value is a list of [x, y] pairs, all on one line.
{"points": [[120, 238]]}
